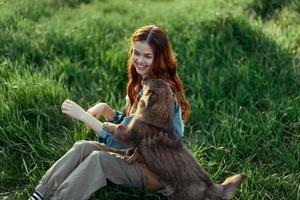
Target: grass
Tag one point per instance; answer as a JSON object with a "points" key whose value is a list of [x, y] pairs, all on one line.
{"points": [[239, 61]]}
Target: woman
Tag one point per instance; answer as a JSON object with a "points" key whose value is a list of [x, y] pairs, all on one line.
{"points": [[87, 166]]}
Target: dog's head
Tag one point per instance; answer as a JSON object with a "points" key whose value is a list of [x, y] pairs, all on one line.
{"points": [[158, 98]]}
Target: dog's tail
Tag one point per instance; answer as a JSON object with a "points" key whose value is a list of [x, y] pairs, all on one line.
{"points": [[227, 189]]}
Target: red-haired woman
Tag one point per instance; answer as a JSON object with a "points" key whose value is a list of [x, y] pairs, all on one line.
{"points": [[88, 165]]}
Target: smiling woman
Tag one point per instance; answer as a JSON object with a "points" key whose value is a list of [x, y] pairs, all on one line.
{"points": [[151, 55]]}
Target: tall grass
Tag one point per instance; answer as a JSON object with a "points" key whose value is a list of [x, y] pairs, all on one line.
{"points": [[239, 61]]}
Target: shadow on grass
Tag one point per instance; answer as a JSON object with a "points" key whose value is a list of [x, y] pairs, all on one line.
{"points": [[267, 8], [249, 99], [245, 65], [115, 192], [250, 85], [70, 3]]}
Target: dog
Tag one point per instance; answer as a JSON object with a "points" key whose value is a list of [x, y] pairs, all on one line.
{"points": [[157, 144]]}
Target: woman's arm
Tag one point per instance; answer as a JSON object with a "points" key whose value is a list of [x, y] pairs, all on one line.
{"points": [[75, 111]]}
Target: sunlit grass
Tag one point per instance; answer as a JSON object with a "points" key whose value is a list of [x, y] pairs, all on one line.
{"points": [[239, 61]]}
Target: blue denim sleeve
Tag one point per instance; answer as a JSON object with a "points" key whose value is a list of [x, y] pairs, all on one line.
{"points": [[106, 137], [177, 120]]}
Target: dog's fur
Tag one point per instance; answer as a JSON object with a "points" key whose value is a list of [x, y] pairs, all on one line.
{"points": [[160, 147]]}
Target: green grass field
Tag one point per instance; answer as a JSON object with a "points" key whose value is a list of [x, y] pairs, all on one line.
{"points": [[239, 61]]}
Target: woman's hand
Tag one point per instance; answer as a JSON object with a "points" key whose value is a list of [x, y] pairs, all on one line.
{"points": [[73, 110], [97, 110]]}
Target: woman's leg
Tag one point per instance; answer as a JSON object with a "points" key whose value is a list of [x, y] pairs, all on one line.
{"points": [[59, 171], [93, 173]]}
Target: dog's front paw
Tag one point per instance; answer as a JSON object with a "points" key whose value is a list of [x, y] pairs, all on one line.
{"points": [[135, 157], [110, 127]]}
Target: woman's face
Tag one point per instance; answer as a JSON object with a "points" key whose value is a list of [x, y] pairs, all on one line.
{"points": [[143, 56]]}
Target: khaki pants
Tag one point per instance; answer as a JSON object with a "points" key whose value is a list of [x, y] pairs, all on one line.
{"points": [[86, 167]]}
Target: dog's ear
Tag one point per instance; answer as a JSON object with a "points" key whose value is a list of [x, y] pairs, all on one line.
{"points": [[175, 99]]}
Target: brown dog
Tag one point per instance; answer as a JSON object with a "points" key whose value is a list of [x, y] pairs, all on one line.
{"points": [[160, 147]]}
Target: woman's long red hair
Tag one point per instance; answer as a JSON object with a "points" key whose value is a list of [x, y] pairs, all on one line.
{"points": [[164, 66]]}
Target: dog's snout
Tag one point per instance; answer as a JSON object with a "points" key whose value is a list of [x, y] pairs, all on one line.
{"points": [[146, 80]]}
